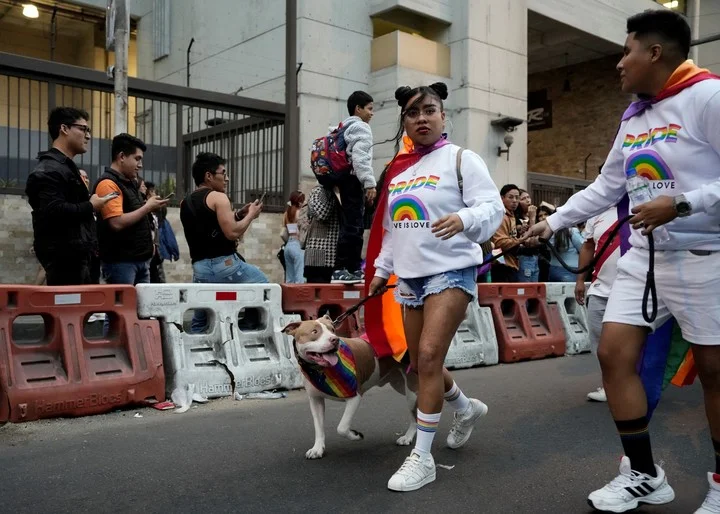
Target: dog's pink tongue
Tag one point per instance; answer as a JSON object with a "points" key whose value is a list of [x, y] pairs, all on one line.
{"points": [[331, 358]]}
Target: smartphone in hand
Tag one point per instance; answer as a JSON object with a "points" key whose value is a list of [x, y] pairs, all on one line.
{"points": [[110, 196], [262, 198], [169, 196]]}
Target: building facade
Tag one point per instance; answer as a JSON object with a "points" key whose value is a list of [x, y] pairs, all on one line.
{"points": [[548, 65]]}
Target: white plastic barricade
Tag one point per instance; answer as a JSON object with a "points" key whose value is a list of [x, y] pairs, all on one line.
{"points": [[222, 337], [574, 316], [475, 342]]}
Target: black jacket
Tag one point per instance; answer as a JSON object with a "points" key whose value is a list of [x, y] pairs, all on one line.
{"points": [[133, 243], [62, 215]]}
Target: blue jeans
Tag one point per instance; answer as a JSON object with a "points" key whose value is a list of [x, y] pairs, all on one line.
{"points": [[560, 274], [133, 273], [137, 272], [529, 269], [229, 269], [412, 292], [294, 262]]}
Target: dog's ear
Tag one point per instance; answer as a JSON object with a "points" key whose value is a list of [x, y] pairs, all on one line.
{"points": [[327, 321], [290, 328]]}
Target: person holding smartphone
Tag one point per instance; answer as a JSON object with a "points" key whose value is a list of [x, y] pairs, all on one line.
{"points": [[124, 227], [62, 207], [212, 229]]}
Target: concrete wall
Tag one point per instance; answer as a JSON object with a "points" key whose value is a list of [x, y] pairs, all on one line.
{"points": [[489, 45], [334, 40], [19, 266], [585, 119], [602, 18], [709, 53]]}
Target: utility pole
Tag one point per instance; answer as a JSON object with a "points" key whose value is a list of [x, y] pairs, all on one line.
{"points": [[122, 38], [292, 126]]}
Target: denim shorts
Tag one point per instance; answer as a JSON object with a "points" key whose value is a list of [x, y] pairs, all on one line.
{"points": [[412, 292]]}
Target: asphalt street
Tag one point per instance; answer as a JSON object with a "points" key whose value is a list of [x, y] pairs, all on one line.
{"points": [[542, 448]]}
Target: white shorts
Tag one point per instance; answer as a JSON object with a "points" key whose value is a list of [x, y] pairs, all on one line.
{"points": [[688, 288]]}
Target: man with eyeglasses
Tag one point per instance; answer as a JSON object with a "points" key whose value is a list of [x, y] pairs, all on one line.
{"points": [[212, 229], [62, 207]]}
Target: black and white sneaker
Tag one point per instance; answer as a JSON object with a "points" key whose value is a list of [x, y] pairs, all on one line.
{"points": [[630, 488], [343, 276]]}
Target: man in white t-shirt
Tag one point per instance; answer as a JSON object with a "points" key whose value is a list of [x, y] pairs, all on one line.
{"points": [[597, 231]]}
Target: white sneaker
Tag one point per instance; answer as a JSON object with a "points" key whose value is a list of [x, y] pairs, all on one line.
{"points": [[464, 422], [416, 471], [711, 505], [598, 395], [630, 488]]}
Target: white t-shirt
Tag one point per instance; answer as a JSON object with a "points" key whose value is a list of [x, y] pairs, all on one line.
{"points": [[598, 229], [426, 192], [675, 144]]}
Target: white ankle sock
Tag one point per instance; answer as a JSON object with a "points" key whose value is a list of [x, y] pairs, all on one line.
{"points": [[457, 399], [426, 428]]}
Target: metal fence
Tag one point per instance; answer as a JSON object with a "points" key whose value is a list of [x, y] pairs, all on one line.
{"points": [[553, 189], [175, 122]]}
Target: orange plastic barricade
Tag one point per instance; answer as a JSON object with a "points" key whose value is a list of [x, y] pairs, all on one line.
{"points": [[526, 326], [309, 300], [66, 371]]}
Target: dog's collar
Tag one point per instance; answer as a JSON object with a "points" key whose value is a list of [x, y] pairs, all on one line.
{"points": [[339, 381]]}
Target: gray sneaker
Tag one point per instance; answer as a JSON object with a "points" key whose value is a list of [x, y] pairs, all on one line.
{"points": [[464, 422]]}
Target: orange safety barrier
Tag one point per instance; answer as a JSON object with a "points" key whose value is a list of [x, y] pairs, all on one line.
{"points": [[526, 326], [66, 371], [309, 300]]}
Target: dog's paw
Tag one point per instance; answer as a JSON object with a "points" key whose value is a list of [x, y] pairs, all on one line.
{"points": [[353, 435], [315, 453], [405, 440]]}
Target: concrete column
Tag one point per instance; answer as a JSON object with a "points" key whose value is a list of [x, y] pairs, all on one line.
{"points": [[334, 48], [489, 51]]}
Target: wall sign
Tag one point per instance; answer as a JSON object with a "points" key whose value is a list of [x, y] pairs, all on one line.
{"points": [[539, 115]]}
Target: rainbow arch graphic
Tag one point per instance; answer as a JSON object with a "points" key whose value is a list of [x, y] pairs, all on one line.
{"points": [[408, 208], [649, 164]]}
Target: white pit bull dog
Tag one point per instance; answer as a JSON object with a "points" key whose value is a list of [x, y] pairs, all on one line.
{"points": [[343, 370]]}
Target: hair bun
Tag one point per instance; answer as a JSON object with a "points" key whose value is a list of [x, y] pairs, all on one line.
{"points": [[402, 95], [441, 89]]}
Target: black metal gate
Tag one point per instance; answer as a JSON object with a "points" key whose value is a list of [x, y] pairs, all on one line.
{"points": [[175, 122]]}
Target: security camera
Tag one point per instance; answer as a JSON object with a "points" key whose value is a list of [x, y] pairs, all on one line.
{"points": [[509, 140], [508, 123], [110, 72]]}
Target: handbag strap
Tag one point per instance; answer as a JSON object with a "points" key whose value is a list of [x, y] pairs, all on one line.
{"points": [[458, 163]]}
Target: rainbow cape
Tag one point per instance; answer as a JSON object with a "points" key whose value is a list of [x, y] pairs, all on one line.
{"points": [[383, 315], [666, 358]]}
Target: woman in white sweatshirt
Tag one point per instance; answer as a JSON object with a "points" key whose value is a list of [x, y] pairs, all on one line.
{"points": [[429, 232]]}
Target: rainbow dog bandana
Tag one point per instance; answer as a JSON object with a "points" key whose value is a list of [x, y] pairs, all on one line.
{"points": [[339, 381]]}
